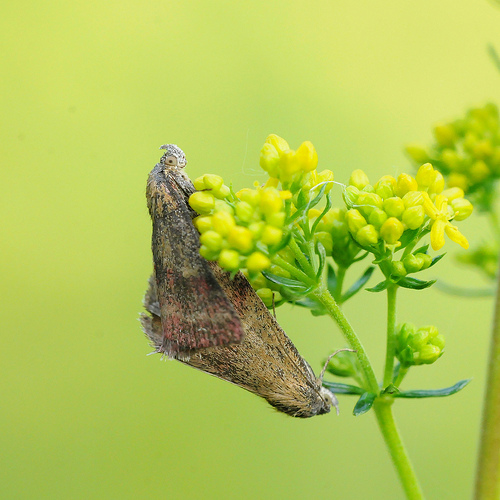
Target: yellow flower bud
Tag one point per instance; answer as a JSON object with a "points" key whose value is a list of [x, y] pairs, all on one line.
{"points": [[202, 202], [256, 229], [355, 220], [394, 206], [203, 223], [229, 259], [445, 135], [417, 152], [453, 193], [313, 213], [271, 235], [221, 206], [377, 218], [483, 149], [244, 211], [285, 194], [450, 158], [405, 183], [223, 222], [272, 182], [257, 262], [212, 240], [413, 217], [207, 253], [306, 156], [213, 181], [391, 230], [387, 179], [222, 192], [367, 235], [266, 295], [270, 201], [269, 159], [240, 238], [199, 183], [462, 208], [251, 196], [385, 190], [278, 142], [413, 198], [289, 165], [325, 176], [438, 185], [426, 175], [479, 171], [470, 141], [359, 179]]}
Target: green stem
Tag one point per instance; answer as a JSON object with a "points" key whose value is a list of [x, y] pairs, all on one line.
{"points": [[404, 468], [340, 282], [488, 464], [401, 375], [391, 334], [293, 270], [333, 309], [299, 255]]}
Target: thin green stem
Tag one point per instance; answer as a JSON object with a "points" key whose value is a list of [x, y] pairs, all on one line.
{"points": [[488, 464], [333, 309], [340, 282], [404, 467], [299, 255], [391, 334], [293, 270], [401, 375]]}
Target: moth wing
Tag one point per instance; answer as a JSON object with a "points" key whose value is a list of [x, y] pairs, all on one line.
{"points": [[195, 311]]}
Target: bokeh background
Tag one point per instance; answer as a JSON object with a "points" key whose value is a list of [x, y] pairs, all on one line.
{"points": [[89, 91]]}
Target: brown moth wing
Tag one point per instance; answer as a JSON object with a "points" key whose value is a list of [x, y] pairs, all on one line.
{"points": [[265, 363], [195, 312]]}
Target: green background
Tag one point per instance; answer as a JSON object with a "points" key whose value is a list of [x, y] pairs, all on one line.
{"points": [[89, 91]]}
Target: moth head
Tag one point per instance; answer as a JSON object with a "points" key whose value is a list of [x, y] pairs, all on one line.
{"points": [[329, 399], [173, 156]]}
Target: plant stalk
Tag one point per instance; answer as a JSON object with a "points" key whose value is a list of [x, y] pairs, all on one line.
{"points": [[391, 335]]}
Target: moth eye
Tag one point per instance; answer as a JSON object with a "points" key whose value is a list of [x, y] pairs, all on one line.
{"points": [[171, 160]]}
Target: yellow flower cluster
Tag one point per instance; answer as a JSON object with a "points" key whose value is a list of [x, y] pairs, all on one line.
{"points": [[239, 234], [385, 210], [418, 346], [466, 151]]}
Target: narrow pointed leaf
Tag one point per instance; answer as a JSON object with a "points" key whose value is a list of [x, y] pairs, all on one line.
{"points": [[338, 388], [327, 207], [436, 259], [331, 280], [422, 249], [364, 404], [360, 283], [379, 287], [408, 237], [433, 393], [287, 282], [320, 250], [414, 283]]}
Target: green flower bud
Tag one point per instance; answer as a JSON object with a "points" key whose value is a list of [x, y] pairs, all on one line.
{"points": [[257, 280], [391, 230], [426, 175], [212, 240], [413, 217], [451, 159], [203, 223], [394, 206], [355, 220], [483, 149], [462, 208], [229, 259], [404, 184], [326, 240], [339, 230], [385, 187], [398, 269], [377, 218], [256, 229], [276, 219], [367, 235], [426, 260], [325, 177], [359, 179], [428, 354], [271, 235], [257, 262], [344, 364], [266, 295], [368, 202], [222, 206], [223, 222], [413, 198], [438, 341], [244, 211], [202, 202], [417, 152], [350, 195], [369, 189], [444, 134], [412, 263], [479, 171], [240, 238], [207, 253]]}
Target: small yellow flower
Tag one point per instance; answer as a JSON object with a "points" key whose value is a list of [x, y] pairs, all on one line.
{"points": [[440, 216]]}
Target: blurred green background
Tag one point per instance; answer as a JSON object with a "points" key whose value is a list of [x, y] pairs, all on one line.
{"points": [[89, 91]]}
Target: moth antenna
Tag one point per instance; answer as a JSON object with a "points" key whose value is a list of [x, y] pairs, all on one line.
{"points": [[274, 308], [323, 371]]}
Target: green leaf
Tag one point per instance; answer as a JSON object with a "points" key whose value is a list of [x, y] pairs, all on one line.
{"points": [[379, 287], [436, 259], [307, 206], [286, 282], [360, 283], [327, 207], [338, 388], [408, 237], [361, 257], [390, 389], [320, 250], [433, 393], [414, 283], [331, 280], [316, 309], [365, 402], [422, 249]]}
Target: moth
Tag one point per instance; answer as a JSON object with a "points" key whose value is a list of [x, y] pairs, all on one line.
{"points": [[199, 315]]}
